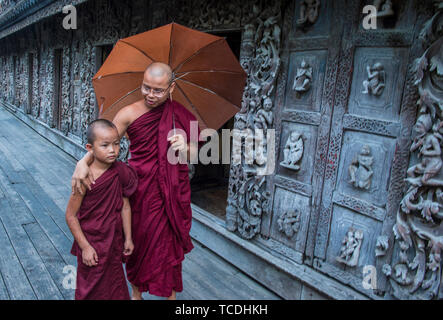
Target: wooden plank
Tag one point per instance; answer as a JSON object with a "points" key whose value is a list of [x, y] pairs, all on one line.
{"points": [[211, 287], [221, 269], [4, 295], [11, 171], [21, 214], [51, 258], [13, 275], [220, 274], [40, 170], [61, 242], [52, 209], [42, 283]]}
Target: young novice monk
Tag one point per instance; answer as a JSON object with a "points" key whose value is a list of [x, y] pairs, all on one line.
{"points": [[100, 220]]}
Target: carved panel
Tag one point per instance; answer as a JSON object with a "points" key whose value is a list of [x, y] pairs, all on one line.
{"points": [[352, 243], [377, 82], [365, 166], [305, 80], [291, 213], [301, 150], [311, 18]]}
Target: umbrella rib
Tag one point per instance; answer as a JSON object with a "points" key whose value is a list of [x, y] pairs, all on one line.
{"points": [[121, 98], [119, 73], [197, 52], [144, 53], [215, 71], [208, 90], [170, 45], [186, 97]]}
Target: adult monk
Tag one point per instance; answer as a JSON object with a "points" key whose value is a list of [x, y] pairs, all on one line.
{"points": [[161, 211]]}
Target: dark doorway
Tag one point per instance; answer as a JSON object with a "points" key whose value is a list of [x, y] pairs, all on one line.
{"points": [[14, 81], [210, 182], [30, 81], [58, 69]]}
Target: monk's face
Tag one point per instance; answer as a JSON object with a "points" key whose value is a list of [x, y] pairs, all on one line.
{"points": [[156, 89], [106, 145]]}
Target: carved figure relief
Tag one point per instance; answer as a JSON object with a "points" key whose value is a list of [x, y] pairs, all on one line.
{"points": [[264, 117], [375, 83], [289, 222], [384, 8], [360, 169], [303, 78], [428, 142], [415, 272], [350, 250], [381, 246], [293, 151], [309, 12]]}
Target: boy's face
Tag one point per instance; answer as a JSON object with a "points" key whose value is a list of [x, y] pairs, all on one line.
{"points": [[106, 145]]}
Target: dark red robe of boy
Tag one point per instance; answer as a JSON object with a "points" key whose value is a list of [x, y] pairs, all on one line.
{"points": [[101, 222], [161, 211]]}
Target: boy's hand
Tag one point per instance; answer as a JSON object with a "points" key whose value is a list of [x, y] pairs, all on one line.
{"points": [[90, 257], [129, 247]]}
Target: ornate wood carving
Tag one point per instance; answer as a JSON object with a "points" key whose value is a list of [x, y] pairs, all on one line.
{"points": [[309, 12], [360, 170], [415, 271], [293, 151], [350, 250], [289, 222], [248, 196]]}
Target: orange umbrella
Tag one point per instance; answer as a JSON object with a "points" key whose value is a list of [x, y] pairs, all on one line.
{"points": [[209, 78]]}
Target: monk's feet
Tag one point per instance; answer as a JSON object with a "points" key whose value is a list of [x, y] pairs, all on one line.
{"points": [[136, 297]]}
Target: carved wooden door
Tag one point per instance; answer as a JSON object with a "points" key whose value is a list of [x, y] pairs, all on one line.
{"points": [[347, 99]]}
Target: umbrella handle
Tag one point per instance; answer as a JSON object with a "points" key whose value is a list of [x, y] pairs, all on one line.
{"points": [[173, 118]]}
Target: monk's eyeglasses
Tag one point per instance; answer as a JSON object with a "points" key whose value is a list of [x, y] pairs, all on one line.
{"points": [[157, 92]]}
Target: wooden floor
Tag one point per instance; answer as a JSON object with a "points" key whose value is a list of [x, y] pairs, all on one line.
{"points": [[35, 240]]}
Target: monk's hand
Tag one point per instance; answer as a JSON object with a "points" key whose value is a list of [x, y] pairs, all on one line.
{"points": [[82, 178], [129, 247], [178, 143], [90, 257]]}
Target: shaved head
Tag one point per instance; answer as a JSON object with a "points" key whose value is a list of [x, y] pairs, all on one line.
{"points": [[160, 69], [94, 125]]}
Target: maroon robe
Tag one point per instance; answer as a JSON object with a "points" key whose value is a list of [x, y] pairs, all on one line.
{"points": [[101, 222], [161, 210]]}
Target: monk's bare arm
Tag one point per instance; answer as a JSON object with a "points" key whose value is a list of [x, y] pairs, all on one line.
{"points": [[82, 175], [72, 208], [122, 120], [126, 218]]}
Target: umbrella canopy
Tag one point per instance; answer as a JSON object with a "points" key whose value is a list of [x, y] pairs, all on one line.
{"points": [[209, 78]]}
